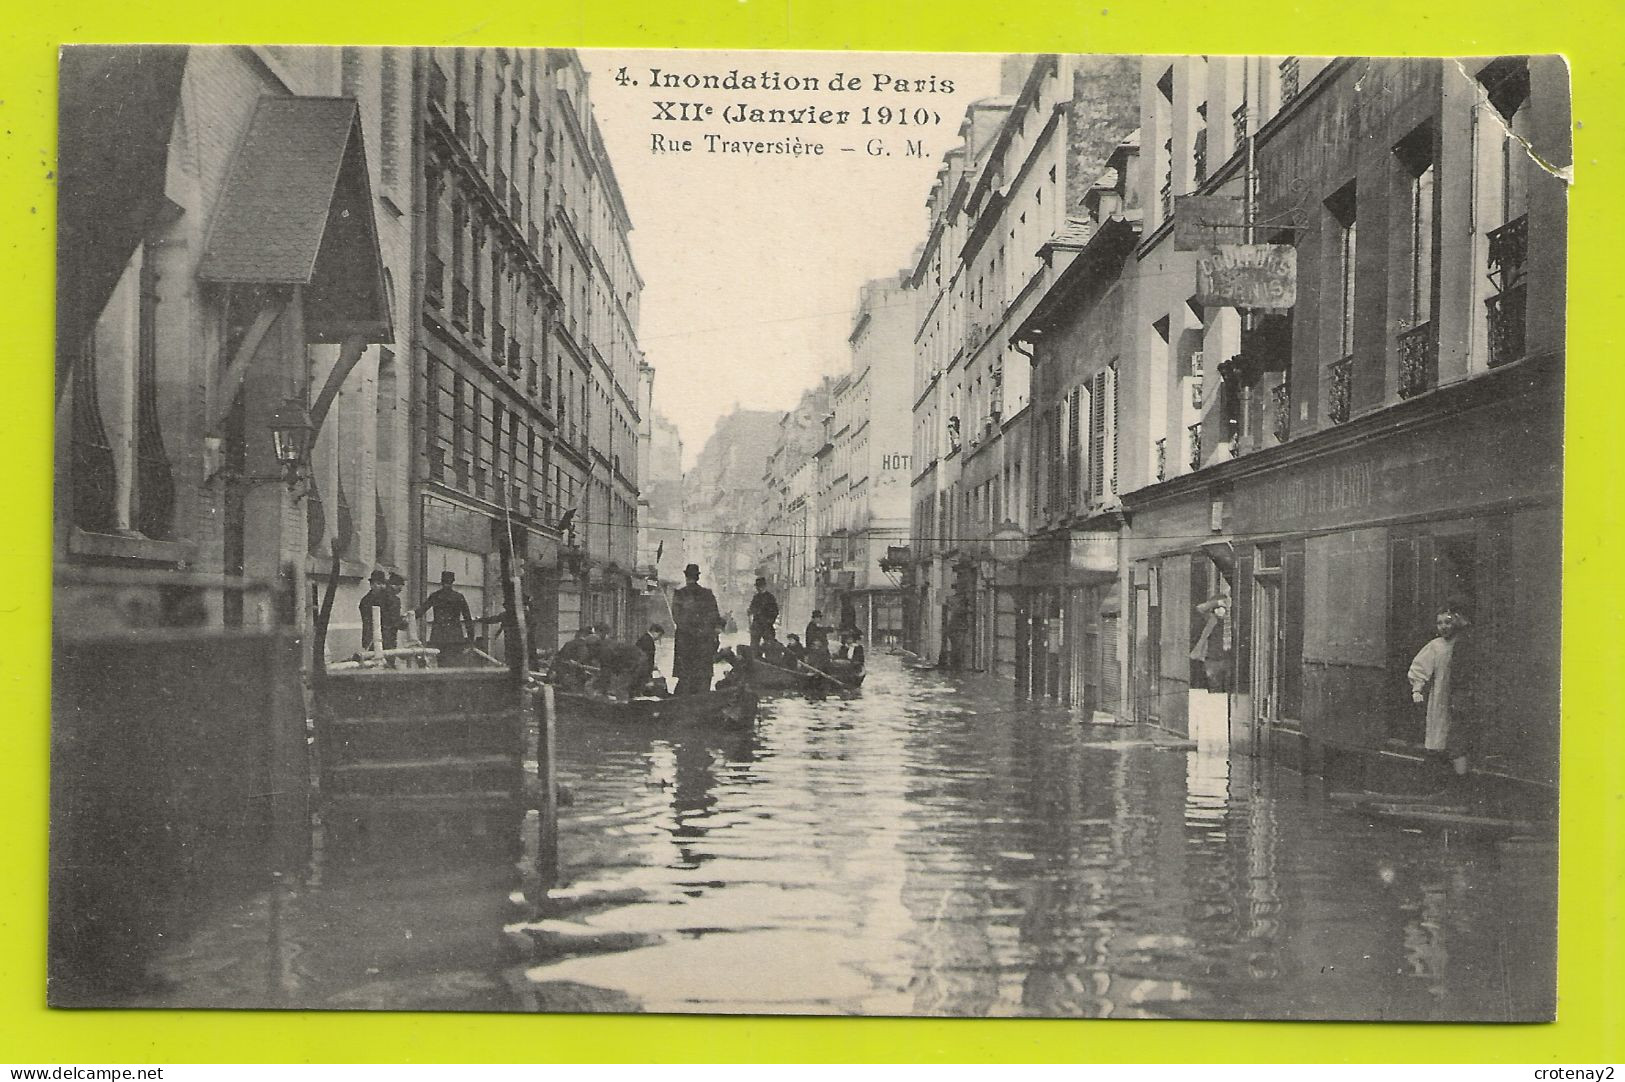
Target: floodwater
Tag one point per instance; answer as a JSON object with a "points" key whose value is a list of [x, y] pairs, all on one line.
{"points": [[927, 849]]}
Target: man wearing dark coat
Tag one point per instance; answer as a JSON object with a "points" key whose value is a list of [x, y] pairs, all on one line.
{"points": [[453, 627], [764, 613], [699, 623], [385, 604], [817, 632]]}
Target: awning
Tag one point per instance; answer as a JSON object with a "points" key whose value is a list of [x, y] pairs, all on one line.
{"points": [[116, 110], [297, 209]]}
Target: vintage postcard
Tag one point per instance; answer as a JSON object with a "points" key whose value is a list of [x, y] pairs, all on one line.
{"points": [[542, 529]]}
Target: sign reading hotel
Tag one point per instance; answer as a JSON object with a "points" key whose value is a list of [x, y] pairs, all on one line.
{"points": [[1248, 276]]}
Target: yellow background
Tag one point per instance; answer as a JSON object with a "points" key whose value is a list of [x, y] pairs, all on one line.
{"points": [[1592, 966]]}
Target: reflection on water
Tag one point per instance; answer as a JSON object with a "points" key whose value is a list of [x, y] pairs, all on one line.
{"points": [[929, 848]]}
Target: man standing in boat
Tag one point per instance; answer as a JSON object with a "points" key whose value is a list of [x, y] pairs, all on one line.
{"points": [[699, 623], [764, 613], [453, 627]]}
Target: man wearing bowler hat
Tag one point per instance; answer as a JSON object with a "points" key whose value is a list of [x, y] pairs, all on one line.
{"points": [[380, 613], [453, 626], [699, 624]]}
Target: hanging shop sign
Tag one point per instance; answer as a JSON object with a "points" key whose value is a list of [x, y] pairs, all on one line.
{"points": [[1207, 221], [1009, 543], [1248, 276], [1094, 550]]}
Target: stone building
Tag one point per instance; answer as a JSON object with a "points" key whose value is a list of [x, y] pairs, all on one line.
{"points": [[529, 366], [788, 552], [725, 502], [1388, 445], [870, 473], [1018, 181]]}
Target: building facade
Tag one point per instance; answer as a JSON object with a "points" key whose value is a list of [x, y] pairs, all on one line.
{"points": [[725, 499], [1017, 183], [788, 553], [1390, 444], [870, 475], [528, 369]]}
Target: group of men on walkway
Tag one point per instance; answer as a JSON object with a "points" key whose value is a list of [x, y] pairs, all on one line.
{"points": [[451, 624]]}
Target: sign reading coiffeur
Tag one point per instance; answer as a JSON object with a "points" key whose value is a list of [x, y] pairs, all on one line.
{"points": [[1248, 276]]}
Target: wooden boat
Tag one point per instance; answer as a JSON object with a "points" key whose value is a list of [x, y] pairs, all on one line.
{"points": [[728, 708], [766, 677]]}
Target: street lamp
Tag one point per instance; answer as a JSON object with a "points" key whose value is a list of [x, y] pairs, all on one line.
{"points": [[292, 435]]}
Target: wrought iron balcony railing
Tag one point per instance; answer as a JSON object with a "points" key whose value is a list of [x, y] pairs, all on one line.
{"points": [[1238, 121], [1509, 253], [1289, 79], [1199, 156], [1162, 459], [516, 360], [1339, 390], [1195, 433], [1506, 318], [1418, 361], [1283, 411], [1166, 199]]}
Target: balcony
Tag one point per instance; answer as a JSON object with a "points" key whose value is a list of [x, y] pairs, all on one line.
{"points": [[1506, 318], [499, 343], [1509, 253], [1162, 459], [1195, 434], [1166, 199], [1418, 361], [459, 304], [1289, 79], [1282, 426], [1238, 121], [1339, 390], [1199, 156], [516, 361], [476, 325]]}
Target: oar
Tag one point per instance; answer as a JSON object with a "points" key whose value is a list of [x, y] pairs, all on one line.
{"points": [[825, 675]]}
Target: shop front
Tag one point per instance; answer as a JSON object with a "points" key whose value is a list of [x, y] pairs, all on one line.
{"points": [[1301, 582], [1065, 617]]}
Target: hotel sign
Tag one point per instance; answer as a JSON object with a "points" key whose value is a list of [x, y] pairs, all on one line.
{"points": [[1248, 276]]}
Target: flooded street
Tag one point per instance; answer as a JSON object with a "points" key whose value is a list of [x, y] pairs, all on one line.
{"points": [[929, 848]]}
